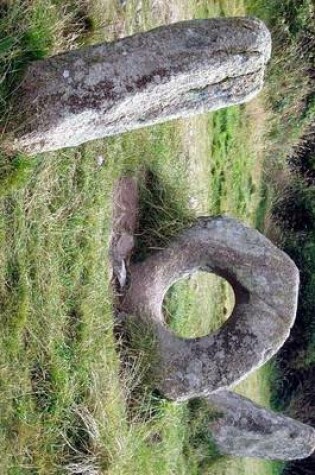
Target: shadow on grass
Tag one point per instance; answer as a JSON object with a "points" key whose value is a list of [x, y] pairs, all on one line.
{"points": [[163, 213]]}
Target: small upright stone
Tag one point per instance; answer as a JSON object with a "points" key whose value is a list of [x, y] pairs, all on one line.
{"points": [[245, 429], [170, 72], [124, 224]]}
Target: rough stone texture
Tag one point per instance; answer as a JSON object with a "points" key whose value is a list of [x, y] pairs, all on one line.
{"points": [[265, 282], [247, 430], [125, 222], [170, 72]]}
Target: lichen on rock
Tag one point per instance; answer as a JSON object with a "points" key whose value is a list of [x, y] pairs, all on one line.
{"points": [[265, 282], [170, 72], [245, 429]]}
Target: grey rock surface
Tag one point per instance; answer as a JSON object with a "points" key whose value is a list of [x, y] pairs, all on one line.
{"points": [[265, 282], [170, 72], [245, 429], [124, 225]]}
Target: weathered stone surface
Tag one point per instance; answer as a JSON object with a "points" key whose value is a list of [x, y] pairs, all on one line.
{"points": [[265, 282], [170, 72], [125, 222], [247, 430]]}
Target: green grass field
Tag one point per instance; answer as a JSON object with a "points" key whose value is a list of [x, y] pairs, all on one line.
{"points": [[67, 406]]}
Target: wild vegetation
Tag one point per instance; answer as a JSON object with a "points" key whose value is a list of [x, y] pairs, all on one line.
{"points": [[68, 404], [289, 192]]}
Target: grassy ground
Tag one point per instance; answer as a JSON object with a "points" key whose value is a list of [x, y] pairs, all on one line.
{"points": [[66, 404], [289, 95], [288, 194], [290, 88]]}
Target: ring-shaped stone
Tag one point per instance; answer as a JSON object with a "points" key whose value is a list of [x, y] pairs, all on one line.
{"points": [[265, 282]]}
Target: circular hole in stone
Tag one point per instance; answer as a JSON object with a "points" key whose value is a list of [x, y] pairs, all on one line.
{"points": [[198, 305]]}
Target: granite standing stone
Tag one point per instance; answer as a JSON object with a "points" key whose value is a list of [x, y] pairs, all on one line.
{"points": [[245, 429], [170, 72], [265, 282]]}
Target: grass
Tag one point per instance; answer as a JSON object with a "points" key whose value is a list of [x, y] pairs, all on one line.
{"points": [[48, 345], [286, 210], [288, 97], [290, 93], [67, 406]]}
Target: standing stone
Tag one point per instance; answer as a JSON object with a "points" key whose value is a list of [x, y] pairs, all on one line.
{"points": [[170, 72], [245, 429], [265, 282], [124, 226]]}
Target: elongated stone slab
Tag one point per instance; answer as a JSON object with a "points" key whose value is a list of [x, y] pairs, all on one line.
{"points": [[245, 429], [170, 72], [124, 226], [265, 282]]}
